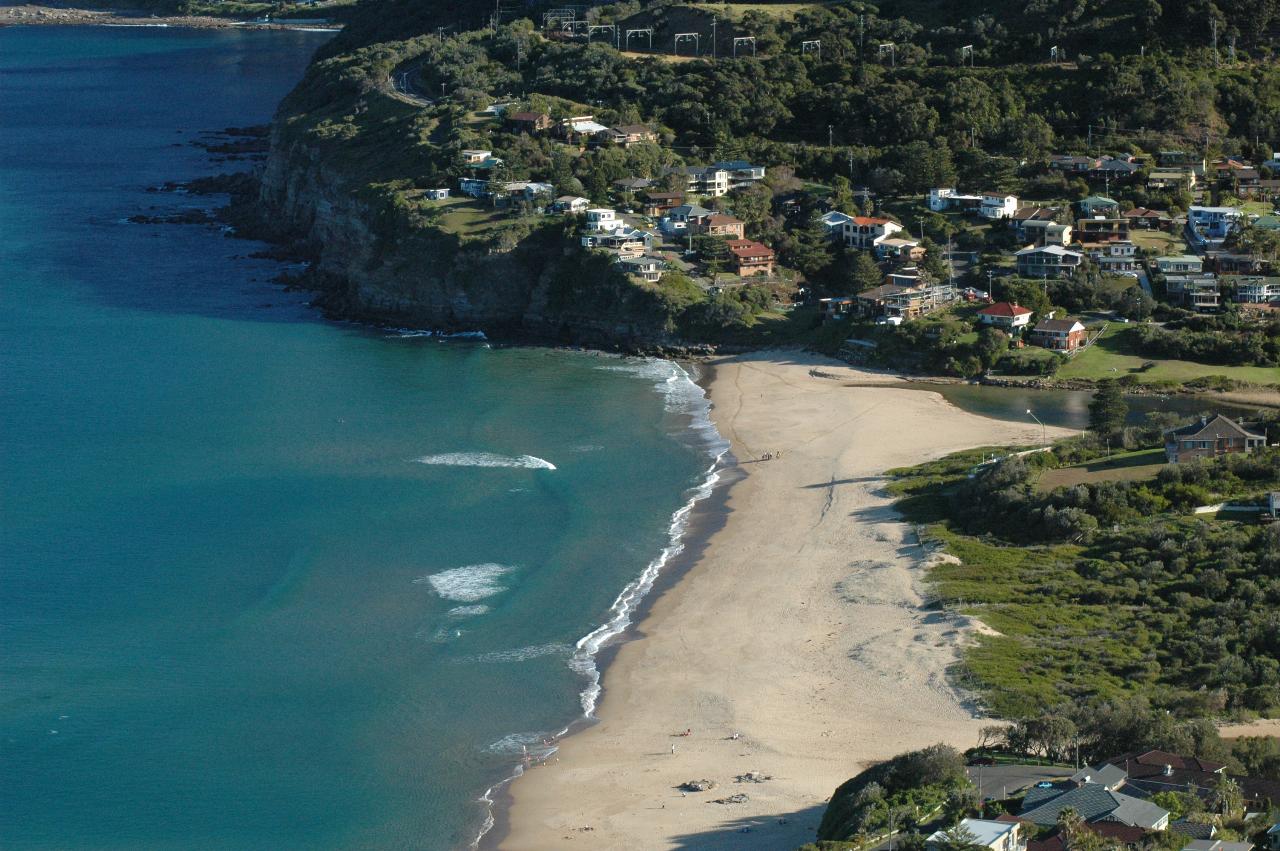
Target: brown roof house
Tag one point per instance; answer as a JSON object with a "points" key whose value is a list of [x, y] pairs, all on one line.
{"points": [[1060, 335], [1006, 315], [751, 257], [719, 224], [530, 122], [1209, 438], [628, 135]]}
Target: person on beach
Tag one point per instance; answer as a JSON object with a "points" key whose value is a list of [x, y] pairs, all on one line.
{"points": [[673, 748]]}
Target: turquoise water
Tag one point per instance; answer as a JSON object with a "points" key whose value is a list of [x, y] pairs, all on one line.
{"points": [[268, 581]]}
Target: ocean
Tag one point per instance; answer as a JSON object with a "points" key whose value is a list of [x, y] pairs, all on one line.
{"points": [[266, 580]]}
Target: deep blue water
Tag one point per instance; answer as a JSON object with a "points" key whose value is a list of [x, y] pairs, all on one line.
{"points": [[236, 610]]}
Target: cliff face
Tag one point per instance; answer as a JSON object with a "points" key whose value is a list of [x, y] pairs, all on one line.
{"points": [[371, 261]]}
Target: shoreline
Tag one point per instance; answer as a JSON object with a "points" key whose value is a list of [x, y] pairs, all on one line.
{"points": [[36, 14], [613, 781]]}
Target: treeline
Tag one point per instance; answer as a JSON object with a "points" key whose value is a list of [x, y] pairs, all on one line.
{"points": [[1257, 346]]}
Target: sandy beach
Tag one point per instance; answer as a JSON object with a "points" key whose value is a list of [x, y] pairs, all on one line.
{"points": [[800, 628]]}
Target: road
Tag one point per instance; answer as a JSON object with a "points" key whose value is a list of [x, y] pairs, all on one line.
{"points": [[1143, 282]]}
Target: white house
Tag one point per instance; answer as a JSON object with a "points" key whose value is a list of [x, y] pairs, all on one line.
{"points": [[995, 835], [571, 204], [1215, 222], [644, 267], [1180, 264], [941, 200], [1117, 256], [436, 194], [998, 206], [472, 156], [1007, 315], [867, 232], [602, 219]]}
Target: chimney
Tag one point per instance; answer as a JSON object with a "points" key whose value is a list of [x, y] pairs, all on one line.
{"points": [[1168, 770]]}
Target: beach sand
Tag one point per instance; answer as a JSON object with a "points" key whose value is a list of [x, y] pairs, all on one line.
{"points": [[800, 627]]}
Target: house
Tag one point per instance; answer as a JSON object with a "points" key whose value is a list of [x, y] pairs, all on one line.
{"points": [[1113, 257], [1269, 189], [474, 187], [1005, 315], [1176, 178], [896, 248], [942, 200], [1253, 289], [602, 219], [1113, 168], [997, 206], [905, 300], [570, 204], [627, 135], [1273, 835], [751, 257], [1213, 222], [1047, 232], [866, 232], [1209, 438], [657, 204], [1098, 229], [1094, 802], [627, 242], [530, 122], [988, 833], [834, 221], [1180, 264], [579, 127], [684, 218], [1196, 292], [474, 156], [718, 224], [1267, 222], [1141, 217], [1160, 771], [1071, 163], [1097, 205], [436, 194], [1047, 261], [741, 172], [632, 184], [708, 181], [645, 267], [1112, 777], [836, 308], [907, 276], [529, 191], [1227, 167], [1025, 215], [1060, 335], [1237, 264]]}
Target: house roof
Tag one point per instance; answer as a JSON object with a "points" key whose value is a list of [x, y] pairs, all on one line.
{"points": [[1216, 845], [1048, 249], [691, 211], [987, 832], [720, 220], [748, 248], [871, 220], [1023, 214], [1095, 802], [1004, 308], [1218, 426], [1095, 200], [882, 292], [1107, 775], [1194, 829], [1144, 213], [835, 217], [664, 196]]}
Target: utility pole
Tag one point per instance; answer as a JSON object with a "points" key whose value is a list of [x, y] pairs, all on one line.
{"points": [[831, 136], [713, 36], [1213, 26], [861, 21]]}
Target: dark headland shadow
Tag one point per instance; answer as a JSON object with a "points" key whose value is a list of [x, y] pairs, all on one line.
{"points": [[768, 832]]}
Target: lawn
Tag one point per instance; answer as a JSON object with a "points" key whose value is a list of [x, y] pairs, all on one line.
{"points": [[1161, 243], [777, 10], [1124, 466], [1112, 357], [468, 217]]}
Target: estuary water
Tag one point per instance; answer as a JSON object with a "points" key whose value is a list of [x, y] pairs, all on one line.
{"points": [[268, 581]]}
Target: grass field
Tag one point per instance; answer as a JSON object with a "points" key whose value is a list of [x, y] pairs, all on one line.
{"points": [[777, 10], [1125, 466], [1112, 357], [1158, 241], [468, 217]]}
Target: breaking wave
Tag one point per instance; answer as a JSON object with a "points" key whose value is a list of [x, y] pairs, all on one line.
{"points": [[467, 584], [485, 459]]}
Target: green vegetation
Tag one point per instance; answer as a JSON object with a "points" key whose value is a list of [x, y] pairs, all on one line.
{"points": [[1116, 354], [1105, 587]]}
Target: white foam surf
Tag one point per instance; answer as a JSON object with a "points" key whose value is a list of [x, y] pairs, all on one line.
{"points": [[485, 459], [681, 395], [518, 654], [467, 611], [467, 584]]}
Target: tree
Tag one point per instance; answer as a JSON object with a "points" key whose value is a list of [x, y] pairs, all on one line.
{"points": [[1227, 798], [1108, 409], [866, 274], [958, 838]]}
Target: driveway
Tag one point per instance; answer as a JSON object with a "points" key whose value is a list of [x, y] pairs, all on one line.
{"points": [[1144, 283], [1002, 781]]}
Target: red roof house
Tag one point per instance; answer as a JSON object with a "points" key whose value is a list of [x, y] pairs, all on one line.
{"points": [[1006, 315]]}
